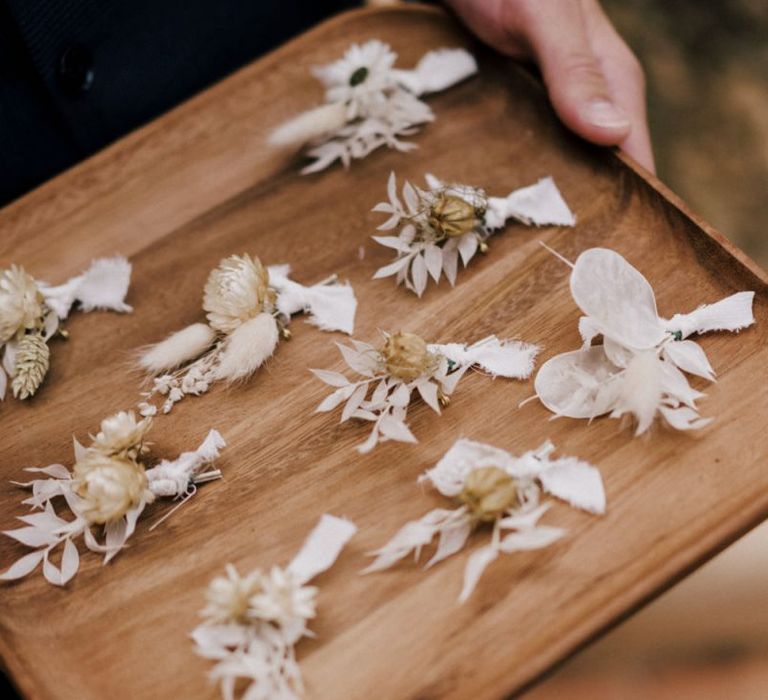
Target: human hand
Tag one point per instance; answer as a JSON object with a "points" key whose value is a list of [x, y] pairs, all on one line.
{"points": [[594, 81]]}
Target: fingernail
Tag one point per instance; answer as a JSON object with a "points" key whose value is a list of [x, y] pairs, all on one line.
{"points": [[605, 114]]}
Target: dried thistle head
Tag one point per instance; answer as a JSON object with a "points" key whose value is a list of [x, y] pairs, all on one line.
{"points": [[229, 597], [108, 486], [451, 216], [405, 356], [121, 434], [488, 492], [21, 303], [32, 361], [235, 292]]}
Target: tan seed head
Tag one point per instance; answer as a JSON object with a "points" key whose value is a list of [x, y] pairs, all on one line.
{"points": [[488, 492]]}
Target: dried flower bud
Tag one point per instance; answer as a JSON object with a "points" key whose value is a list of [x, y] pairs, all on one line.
{"points": [[405, 356], [21, 303], [109, 486], [452, 216], [32, 362], [235, 292], [121, 434], [488, 492], [229, 597]]}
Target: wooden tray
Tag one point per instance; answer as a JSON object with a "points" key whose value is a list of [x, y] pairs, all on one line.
{"points": [[199, 184]]}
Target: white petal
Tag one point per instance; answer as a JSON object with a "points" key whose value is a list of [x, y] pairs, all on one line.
{"points": [[322, 547], [575, 482], [394, 429], [22, 567], [433, 257], [617, 298], [538, 538], [452, 539], [393, 242], [354, 401], [70, 561], [419, 274], [689, 356], [540, 204], [332, 378], [392, 269], [579, 384], [335, 399], [476, 565], [467, 247]]}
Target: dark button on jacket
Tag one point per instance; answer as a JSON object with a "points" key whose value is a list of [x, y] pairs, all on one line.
{"points": [[77, 74]]}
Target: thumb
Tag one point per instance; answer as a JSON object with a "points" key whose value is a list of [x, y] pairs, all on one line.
{"points": [[574, 78]]}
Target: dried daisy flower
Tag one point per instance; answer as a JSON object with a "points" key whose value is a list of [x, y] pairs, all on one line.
{"points": [[229, 597], [108, 486], [406, 365], [248, 308], [235, 292], [638, 370], [31, 312], [106, 492], [370, 103], [446, 223], [121, 434], [495, 489], [283, 598], [21, 303], [252, 623]]}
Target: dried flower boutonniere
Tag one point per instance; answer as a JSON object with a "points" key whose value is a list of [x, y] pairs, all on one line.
{"points": [[107, 490], [369, 103], [252, 623], [492, 487], [638, 369], [406, 364], [445, 222], [248, 308], [31, 313]]}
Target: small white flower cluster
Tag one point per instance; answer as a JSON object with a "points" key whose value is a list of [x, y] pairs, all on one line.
{"points": [[406, 365], [108, 489], [495, 488], [370, 103], [448, 222], [639, 368], [31, 312], [252, 622], [248, 308]]}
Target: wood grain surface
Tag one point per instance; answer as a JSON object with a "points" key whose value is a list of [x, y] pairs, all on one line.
{"points": [[199, 184]]}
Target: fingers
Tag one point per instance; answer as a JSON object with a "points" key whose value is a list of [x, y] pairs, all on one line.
{"points": [[573, 74], [626, 80]]}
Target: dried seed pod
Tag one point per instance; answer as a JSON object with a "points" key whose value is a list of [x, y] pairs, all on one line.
{"points": [[405, 356], [32, 362], [21, 302], [452, 216], [487, 493]]}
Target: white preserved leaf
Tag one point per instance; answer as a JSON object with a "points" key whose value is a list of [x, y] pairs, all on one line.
{"points": [[357, 397], [332, 378], [476, 565], [393, 429], [70, 561], [21, 567], [419, 274]]}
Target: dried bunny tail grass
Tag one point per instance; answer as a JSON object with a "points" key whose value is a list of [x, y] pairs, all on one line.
{"points": [[248, 347], [309, 125], [178, 348]]}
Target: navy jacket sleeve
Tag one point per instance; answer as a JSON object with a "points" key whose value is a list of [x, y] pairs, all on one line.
{"points": [[77, 74]]}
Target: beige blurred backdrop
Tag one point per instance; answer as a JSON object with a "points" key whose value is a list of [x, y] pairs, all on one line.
{"points": [[707, 70]]}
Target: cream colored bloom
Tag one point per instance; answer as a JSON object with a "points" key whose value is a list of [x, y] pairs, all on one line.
{"points": [[109, 486], [235, 292], [21, 302], [283, 599], [122, 434], [229, 596]]}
